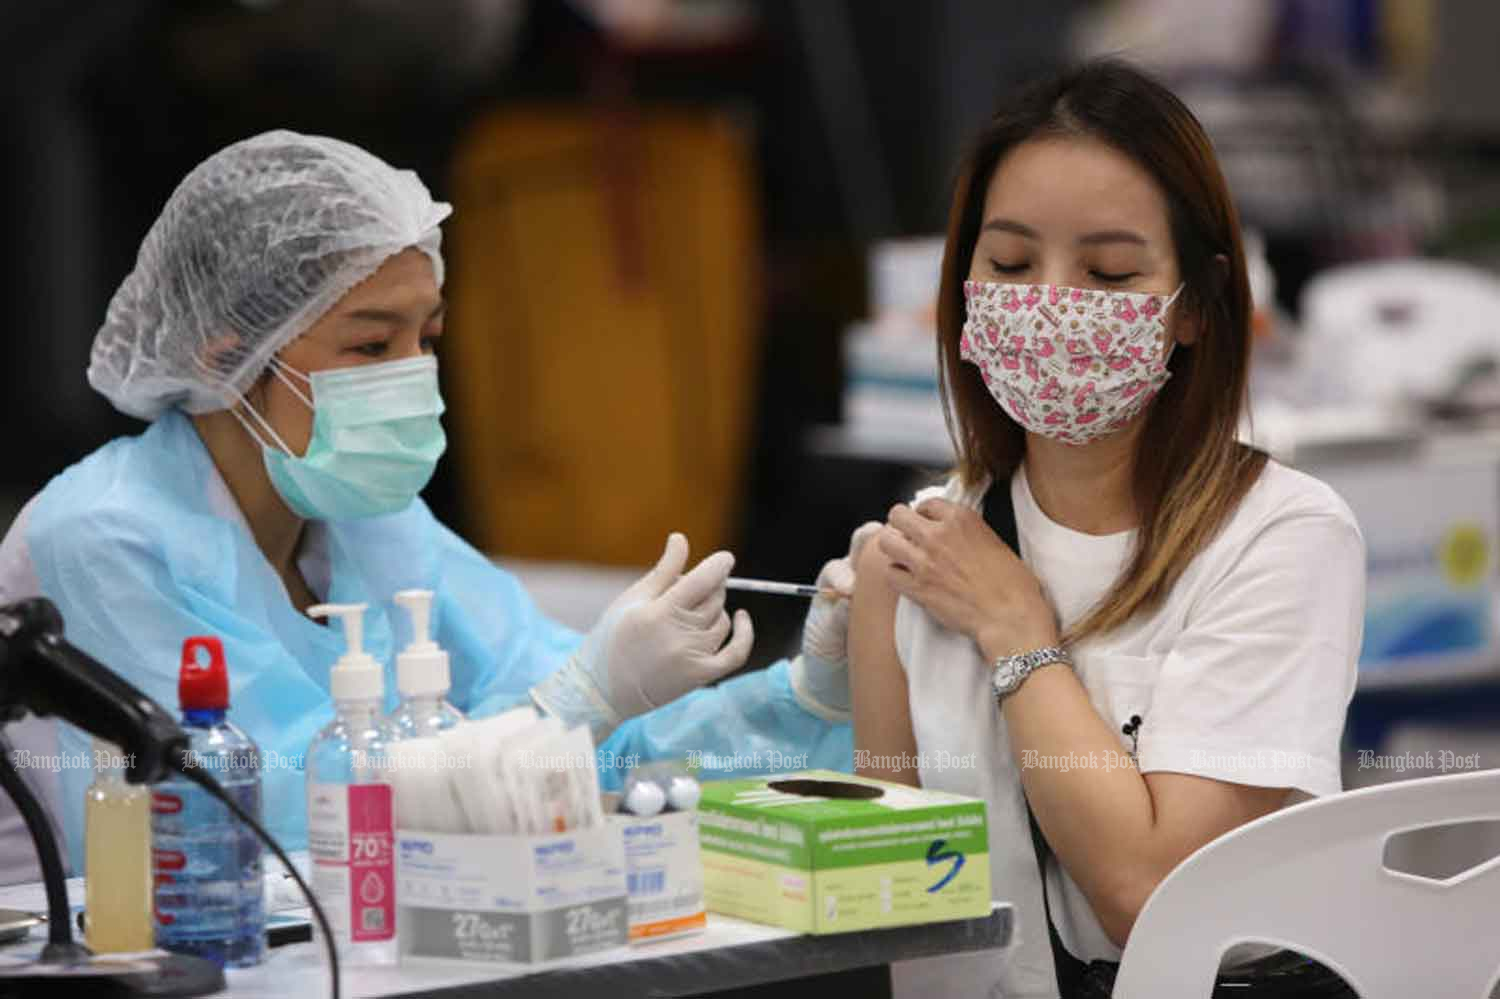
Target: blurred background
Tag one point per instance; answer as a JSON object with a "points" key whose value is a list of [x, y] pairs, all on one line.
{"points": [[730, 209]]}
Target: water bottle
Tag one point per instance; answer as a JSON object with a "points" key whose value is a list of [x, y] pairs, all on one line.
{"points": [[207, 864], [350, 805], [422, 676]]}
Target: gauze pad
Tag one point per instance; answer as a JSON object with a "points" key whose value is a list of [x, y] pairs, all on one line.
{"points": [[480, 797], [499, 804], [564, 783], [420, 775], [511, 762]]}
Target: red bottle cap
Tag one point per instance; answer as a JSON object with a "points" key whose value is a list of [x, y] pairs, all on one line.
{"points": [[203, 687]]}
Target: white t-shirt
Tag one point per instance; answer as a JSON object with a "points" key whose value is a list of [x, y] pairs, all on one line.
{"points": [[1243, 674]]}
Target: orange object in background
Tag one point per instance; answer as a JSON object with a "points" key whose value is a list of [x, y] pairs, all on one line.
{"points": [[601, 353], [1262, 325]]}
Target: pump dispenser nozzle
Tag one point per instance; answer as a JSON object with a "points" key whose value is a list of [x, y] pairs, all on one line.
{"points": [[356, 676], [422, 667], [418, 604]]}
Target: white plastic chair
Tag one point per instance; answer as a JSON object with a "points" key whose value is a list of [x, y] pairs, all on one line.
{"points": [[1312, 877]]}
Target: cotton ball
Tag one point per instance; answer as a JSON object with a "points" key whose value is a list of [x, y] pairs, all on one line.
{"points": [[645, 799], [684, 793]]}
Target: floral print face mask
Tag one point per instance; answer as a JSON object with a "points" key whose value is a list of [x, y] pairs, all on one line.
{"points": [[1072, 364]]}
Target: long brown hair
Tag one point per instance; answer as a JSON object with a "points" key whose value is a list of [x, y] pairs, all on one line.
{"points": [[1190, 472]]}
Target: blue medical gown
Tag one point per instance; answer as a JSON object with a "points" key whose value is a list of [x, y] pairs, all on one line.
{"points": [[140, 545]]}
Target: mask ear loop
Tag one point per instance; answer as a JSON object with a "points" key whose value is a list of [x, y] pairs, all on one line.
{"points": [[1171, 340], [281, 369], [276, 367]]}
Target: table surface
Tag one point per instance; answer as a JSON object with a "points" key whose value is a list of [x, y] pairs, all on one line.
{"points": [[730, 953]]}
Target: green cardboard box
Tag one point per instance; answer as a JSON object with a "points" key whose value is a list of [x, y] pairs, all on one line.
{"points": [[826, 852]]}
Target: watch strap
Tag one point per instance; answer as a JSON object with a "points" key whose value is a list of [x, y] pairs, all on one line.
{"points": [[1018, 668], [1036, 659]]}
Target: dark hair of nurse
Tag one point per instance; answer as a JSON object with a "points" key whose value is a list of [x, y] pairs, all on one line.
{"points": [[1141, 206]]}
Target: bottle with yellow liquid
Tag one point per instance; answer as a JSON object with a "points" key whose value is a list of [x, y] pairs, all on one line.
{"points": [[117, 858]]}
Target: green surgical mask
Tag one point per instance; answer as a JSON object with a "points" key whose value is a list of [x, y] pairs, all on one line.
{"points": [[377, 436]]}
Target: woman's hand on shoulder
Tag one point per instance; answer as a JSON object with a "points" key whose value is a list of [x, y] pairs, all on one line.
{"points": [[947, 559]]}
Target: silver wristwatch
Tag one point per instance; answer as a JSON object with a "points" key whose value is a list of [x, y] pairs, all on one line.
{"points": [[1010, 671]]}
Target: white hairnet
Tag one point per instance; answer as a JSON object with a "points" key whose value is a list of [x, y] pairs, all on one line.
{"points": [[257, 242]]}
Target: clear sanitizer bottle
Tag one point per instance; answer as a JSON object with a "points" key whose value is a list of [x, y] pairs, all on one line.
{"points": [[207, 864], [350, 814], [422, 675]]}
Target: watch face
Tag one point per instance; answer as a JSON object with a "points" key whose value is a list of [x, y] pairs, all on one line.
{"points": [[1006, 677]]}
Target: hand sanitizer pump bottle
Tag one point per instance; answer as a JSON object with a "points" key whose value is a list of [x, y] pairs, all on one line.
{"points": [[422, 675], [350, 814]]}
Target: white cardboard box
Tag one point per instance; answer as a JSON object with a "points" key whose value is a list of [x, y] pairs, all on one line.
{"points": [[663, 873], [510, 899]]}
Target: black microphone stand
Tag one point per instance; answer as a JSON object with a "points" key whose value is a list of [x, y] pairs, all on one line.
{"points": [[65, 967], [61, 947], [41, 672]]}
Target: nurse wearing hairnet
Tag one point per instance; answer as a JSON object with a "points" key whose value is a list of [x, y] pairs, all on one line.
{"points": [[277, 332]]}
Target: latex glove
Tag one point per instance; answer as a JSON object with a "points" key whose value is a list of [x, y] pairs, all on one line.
{"points": [[661, 638], [820, 673]]}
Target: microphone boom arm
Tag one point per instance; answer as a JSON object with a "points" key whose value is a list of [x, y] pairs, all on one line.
{"points": [[42, 672]]}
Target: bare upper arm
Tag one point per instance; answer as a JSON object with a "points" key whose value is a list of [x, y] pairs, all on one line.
{"points": [[877, 683], [1192, 810], [1188, 813]]}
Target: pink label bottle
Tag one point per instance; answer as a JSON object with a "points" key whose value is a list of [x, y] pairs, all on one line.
{"points": [[350, 814]]}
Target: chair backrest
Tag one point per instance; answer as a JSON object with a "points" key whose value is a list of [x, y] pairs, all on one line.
{"points": [[1312, 877]]}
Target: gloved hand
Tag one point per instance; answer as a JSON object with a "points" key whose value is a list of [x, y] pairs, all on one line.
{"points": [[820, 674], [661, 638]]}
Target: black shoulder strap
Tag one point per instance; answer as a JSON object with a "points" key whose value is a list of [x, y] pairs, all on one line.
{"points": [[1000, 514]]}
